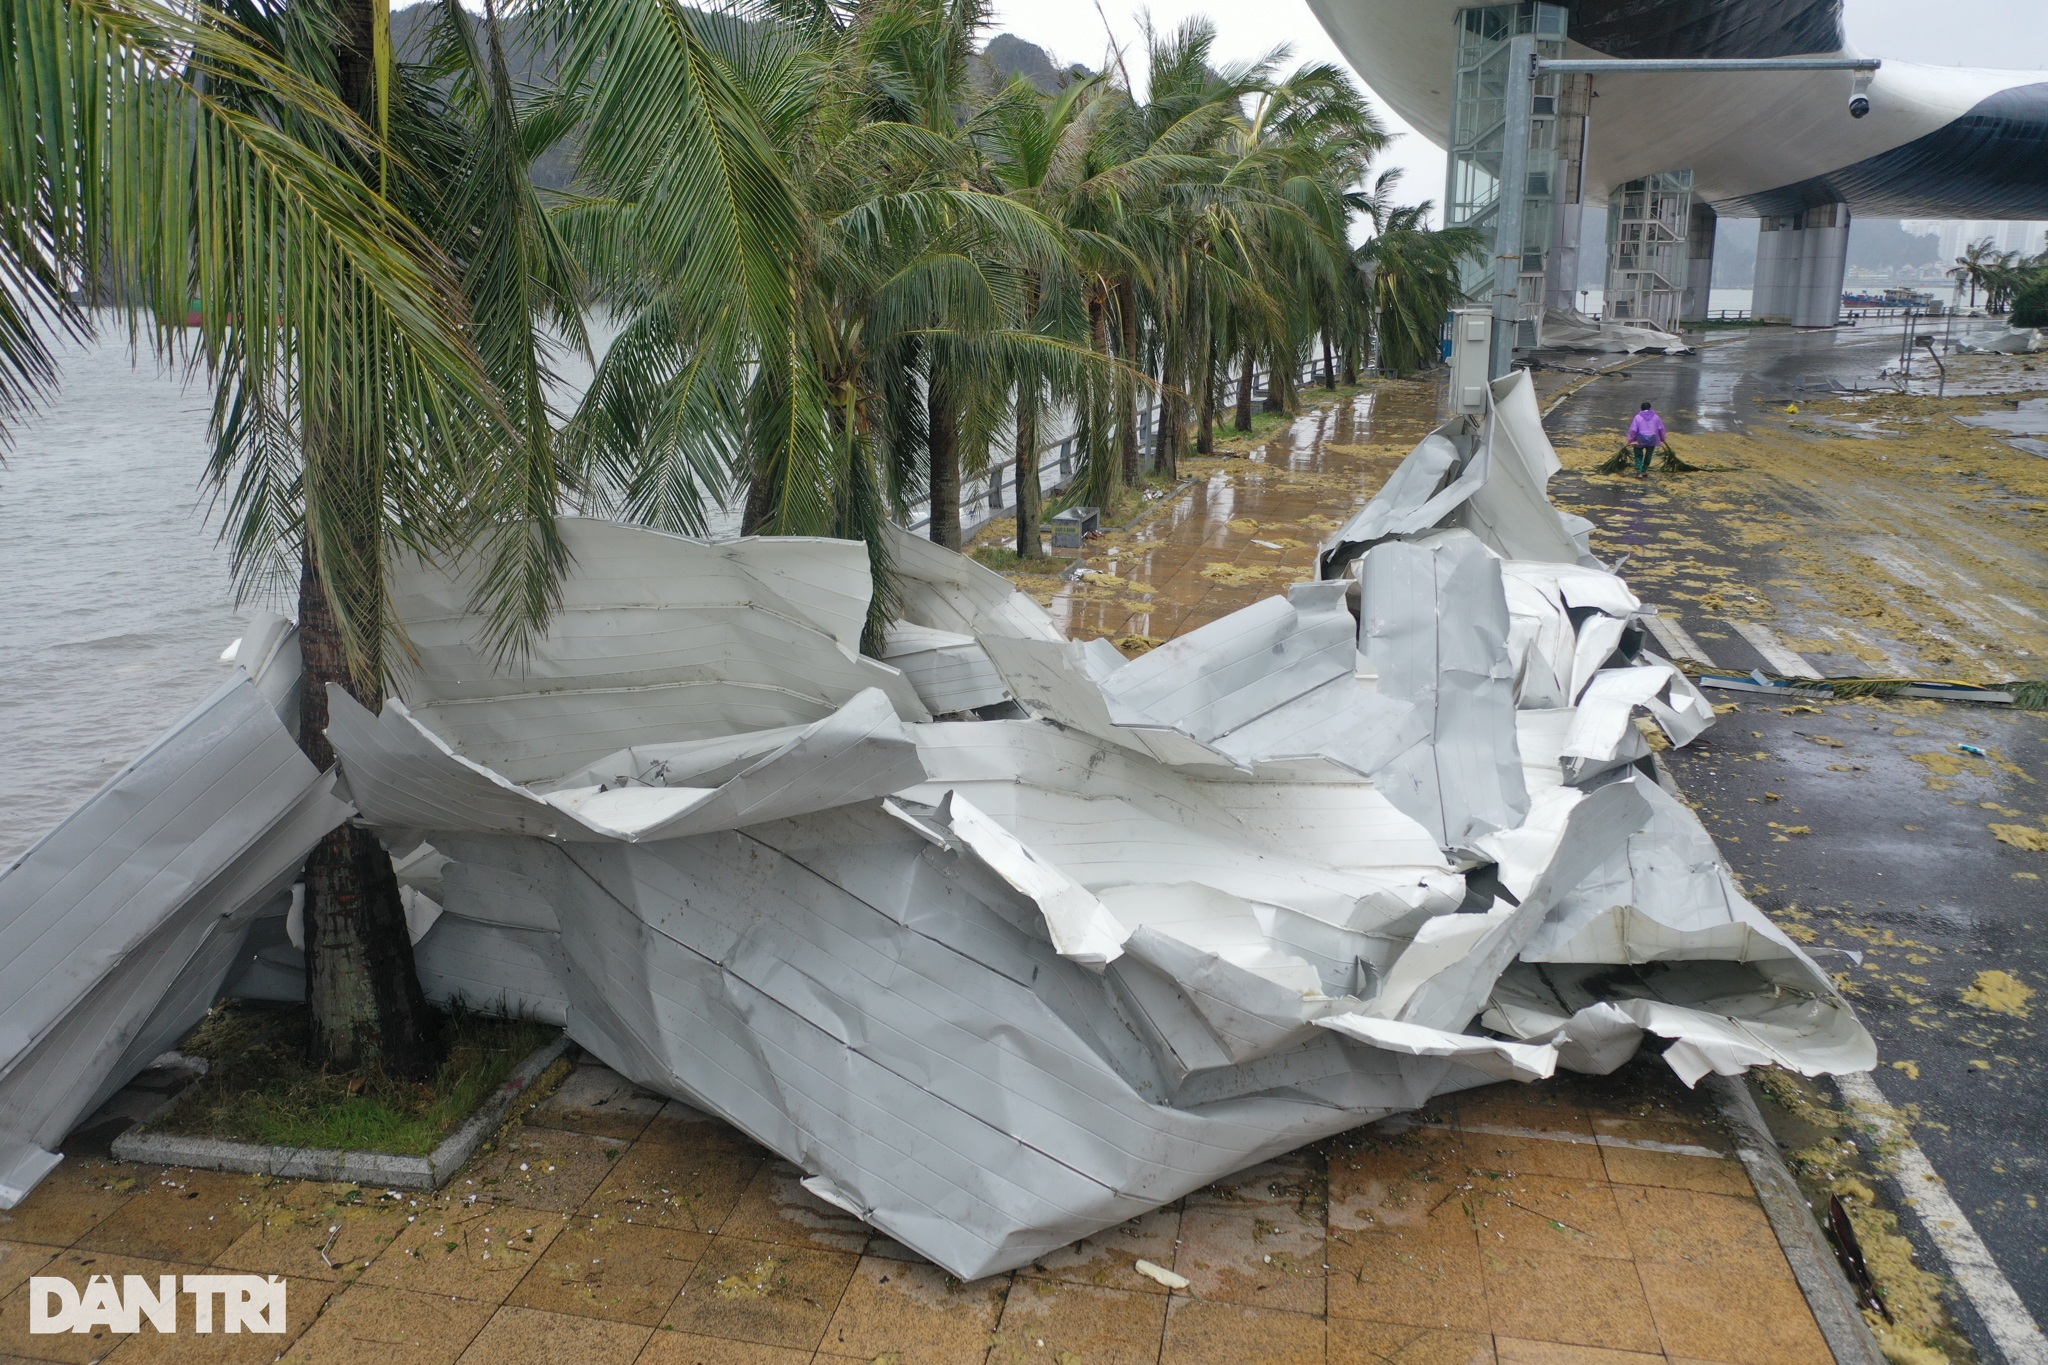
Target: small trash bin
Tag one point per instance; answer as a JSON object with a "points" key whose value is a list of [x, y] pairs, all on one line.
{"points": [[1071, 528]]}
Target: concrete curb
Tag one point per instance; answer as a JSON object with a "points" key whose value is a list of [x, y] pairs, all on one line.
{"points": [[363, 1168], [1813, 1261]]}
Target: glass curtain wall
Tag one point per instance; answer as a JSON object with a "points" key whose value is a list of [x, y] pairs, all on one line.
{"points": [[1478, 119]]}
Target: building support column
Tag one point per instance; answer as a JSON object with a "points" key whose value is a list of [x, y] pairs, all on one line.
{"points": [[1779, 245], [1823, 265], [1695, 303]]}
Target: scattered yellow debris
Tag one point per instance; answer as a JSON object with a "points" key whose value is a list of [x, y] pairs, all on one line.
{"points": [[1980, 1063], [2002, 810], [1792, 409], [2022, 836], [1791, 829], [1827, 741], [1727, 706], [757, 1283], [1137, 644], [1912, 1069], [2026, 876], [1799, 710], [1772, 796], [1653, 734], [2000, 992], [1233, 575]]}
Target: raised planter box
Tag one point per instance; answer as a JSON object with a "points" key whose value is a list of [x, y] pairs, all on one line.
{"points": [[428, 1172]]}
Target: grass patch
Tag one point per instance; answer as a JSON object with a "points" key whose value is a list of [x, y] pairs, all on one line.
{"points": [[1004, 559], [260, 1088]]}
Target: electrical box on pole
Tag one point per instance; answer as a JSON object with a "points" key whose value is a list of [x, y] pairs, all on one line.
{"points": [[1471, 357]]}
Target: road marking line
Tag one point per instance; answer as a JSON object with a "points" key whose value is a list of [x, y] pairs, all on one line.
{"points": [[1766, 642], [2012, 1328], [1676, 642]]}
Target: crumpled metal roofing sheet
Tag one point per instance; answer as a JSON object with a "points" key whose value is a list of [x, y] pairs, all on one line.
{"points": [[999, 983]]}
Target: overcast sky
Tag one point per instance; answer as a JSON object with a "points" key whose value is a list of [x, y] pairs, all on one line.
{"points": [[1993, 33]]}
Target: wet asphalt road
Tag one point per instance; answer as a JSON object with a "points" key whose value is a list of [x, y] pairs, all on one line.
{"points": [[1897, 866]]}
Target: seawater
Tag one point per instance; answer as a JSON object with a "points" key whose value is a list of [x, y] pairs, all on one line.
{"points": [[115, 599], [114, 595]]}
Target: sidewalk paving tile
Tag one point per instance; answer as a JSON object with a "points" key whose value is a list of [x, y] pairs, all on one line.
{"points": [[603, 1268], [469, 1251], [775, 1207], [1199, 1332], [529, 1336], [1046, 1319], [304, 1302], [71, 1201], [305, 1230], [597, 1100], [916, 1312], [668, 1347], [391, 1327], [78, 1266], [178, 1216], [777, 1295]]}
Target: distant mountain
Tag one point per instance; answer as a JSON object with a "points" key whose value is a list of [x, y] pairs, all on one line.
{"points": [[1009, 56], [1005, 57]]}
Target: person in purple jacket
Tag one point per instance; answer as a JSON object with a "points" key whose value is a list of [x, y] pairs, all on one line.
{"points": [[1645, 434]]}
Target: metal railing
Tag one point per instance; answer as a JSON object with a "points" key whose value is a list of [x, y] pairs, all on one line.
{"points": [[991, 491]]}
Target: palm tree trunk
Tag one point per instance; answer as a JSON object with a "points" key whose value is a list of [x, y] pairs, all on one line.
{"points": [[1127, 388], [1103, 471], [1030, 500], [1273, 402], [944, 444], [1329, 364], [1205, 428], [362, 991], [1163, 442], [1243, 421], [361, 986], [1350, 362]]}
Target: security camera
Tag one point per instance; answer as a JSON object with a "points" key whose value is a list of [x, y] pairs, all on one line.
{"points": [[1859, 105], [1859, 94]]}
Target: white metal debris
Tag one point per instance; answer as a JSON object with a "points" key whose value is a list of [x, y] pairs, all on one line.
{"points": [[1569, 330], [1120, 928], [118, 928]]}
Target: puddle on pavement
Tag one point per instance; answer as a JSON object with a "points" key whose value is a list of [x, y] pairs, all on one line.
{"points": [[1245, 526]]}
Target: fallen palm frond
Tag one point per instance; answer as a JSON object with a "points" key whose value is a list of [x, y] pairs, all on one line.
{"points": [[1668, 462]]}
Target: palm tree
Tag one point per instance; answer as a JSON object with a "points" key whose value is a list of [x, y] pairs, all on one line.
{"points": [[1034, 142], [1414, 282], [1970, 267], [362, 262], [843, 371]]}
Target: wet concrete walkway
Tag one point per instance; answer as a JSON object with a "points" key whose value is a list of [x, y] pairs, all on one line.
{"points": [[1245, 526], [1582, 1222], [1868, 534]]}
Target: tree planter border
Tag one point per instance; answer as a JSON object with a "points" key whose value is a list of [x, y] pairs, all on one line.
{"points": [[428, 1172]]}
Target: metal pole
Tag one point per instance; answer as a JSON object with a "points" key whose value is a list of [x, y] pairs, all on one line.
{"points": [[1519, 96], [1589, 66]]}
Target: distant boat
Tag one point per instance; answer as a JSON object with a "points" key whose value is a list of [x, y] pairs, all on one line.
{"points": [[1890, 298]]}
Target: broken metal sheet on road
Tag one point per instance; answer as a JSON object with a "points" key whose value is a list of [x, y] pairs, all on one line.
{"points": [[1005, 939]]}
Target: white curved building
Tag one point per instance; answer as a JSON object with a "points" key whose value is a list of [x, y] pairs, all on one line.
{"points": [[1937, 141]]}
